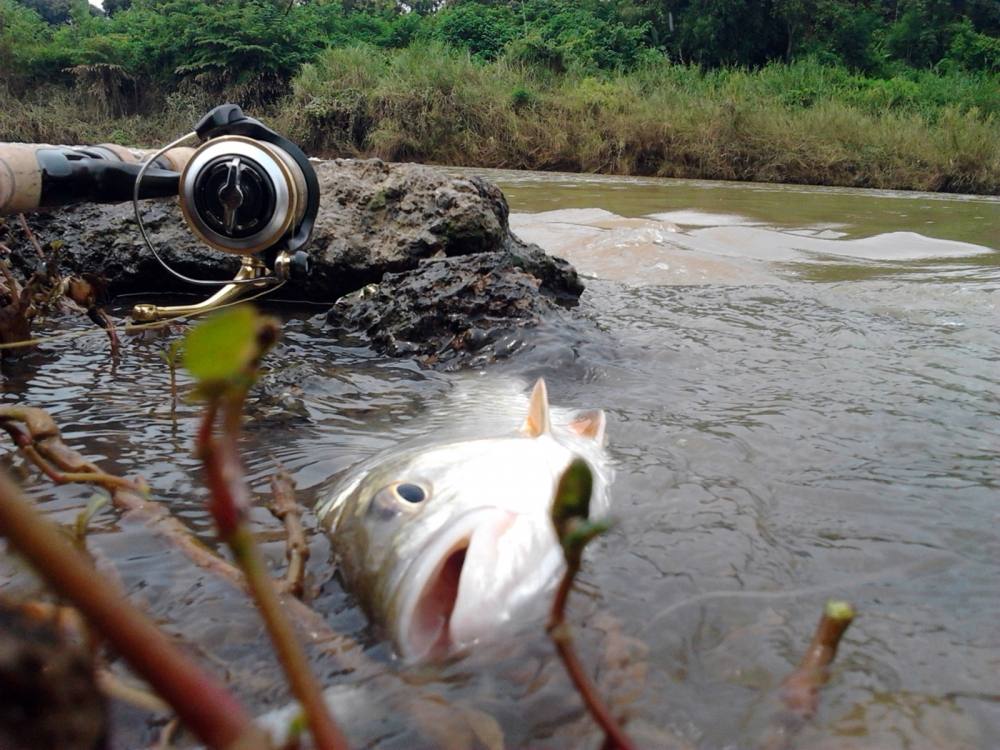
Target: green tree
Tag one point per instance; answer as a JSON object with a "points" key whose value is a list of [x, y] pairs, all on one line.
{"points": [[483, 30]]}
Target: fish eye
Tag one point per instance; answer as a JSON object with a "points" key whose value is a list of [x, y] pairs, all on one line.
{"points": [[392, 499], [411, 493]]}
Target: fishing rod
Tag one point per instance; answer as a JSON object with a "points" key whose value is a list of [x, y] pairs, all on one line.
{"points": [[245, 190]]}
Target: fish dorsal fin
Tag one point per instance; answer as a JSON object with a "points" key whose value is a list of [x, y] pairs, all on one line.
{"points": [[538, 421], [590, 424]]}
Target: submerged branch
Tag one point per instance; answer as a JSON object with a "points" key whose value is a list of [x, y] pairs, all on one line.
{"points": [[36, 434]]}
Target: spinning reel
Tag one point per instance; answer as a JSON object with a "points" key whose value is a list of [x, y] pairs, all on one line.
{"points": [[246, 190]]}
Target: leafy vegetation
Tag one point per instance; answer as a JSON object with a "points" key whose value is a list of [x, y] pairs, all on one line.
{"points": [[903, 93]]}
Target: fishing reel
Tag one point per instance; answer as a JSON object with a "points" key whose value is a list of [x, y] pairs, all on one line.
{"points": [[246, 190]]}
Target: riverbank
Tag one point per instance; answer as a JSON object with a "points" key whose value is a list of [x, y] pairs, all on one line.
{"points": [[803, 123]]}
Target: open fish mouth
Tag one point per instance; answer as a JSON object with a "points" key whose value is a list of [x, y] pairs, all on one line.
{"points": [[466, 584]]}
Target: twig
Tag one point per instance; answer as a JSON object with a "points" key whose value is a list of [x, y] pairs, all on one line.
{"points": [[31, 236], [570, 511], [202, 702], [36, 434], [285, 509], [105, 321], [63, 618], [114, 686], [166, 737], [86, 291], [170, 357], [800, 691], [16, 315]]}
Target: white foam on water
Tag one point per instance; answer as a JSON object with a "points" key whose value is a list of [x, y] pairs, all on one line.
{"points": [[693, 247]]}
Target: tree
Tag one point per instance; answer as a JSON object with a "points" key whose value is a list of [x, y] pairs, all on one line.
{"points": [[53, 11], [116, 6]]}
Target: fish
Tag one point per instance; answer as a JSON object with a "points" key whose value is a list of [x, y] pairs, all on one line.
{"points": [[449, 545]]}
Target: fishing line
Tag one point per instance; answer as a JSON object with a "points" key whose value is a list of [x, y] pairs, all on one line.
{"points": [[823, 588]]}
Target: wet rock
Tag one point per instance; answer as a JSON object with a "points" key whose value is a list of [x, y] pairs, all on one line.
{"points": [[105, 240], [453, 312], [375, 218]]}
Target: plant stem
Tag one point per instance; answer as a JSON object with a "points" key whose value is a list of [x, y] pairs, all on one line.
{"points": [[559, 631], [228, 503], [304, 685], [800, 691], [201, 701]]}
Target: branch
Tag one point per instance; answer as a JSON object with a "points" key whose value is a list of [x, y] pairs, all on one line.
{"points": [[31, 236], [201, 701], [285, 509], [38, 438]]}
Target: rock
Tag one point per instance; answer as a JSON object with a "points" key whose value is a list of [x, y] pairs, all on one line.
{"points": [[374, 218], [454, 286], [450, 312]]}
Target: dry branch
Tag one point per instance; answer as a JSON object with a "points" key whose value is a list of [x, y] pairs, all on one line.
{"points": [[285, 509], [38, 438]]}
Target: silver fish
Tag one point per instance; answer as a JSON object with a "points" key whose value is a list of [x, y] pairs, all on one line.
{"points": [[448, 545]]}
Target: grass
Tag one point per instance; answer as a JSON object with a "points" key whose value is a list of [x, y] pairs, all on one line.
{"points": [[801, 123]]}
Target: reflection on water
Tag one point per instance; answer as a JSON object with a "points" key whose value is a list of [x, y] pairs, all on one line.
{"points": [[799, 424]]}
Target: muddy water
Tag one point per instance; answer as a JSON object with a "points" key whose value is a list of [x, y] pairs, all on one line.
{"points": [[803, 390]]}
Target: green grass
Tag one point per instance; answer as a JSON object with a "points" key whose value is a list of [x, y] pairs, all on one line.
{"points": [[803, 123], [800, 123]]}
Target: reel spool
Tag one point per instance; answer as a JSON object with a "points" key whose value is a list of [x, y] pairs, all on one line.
{"points": [[247, 191]]}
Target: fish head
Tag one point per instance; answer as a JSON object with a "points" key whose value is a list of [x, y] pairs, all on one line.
{"points": [[448, 545]]}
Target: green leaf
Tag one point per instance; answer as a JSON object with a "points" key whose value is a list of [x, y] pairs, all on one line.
{"points": [[580, 533], [223, 346], [572, 499]]}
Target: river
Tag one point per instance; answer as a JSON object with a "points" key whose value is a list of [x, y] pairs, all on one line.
{"points": [[803, 393]]}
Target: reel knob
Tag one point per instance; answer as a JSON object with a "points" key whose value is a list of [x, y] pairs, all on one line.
{"points": [[241, 195], [234, 196]]}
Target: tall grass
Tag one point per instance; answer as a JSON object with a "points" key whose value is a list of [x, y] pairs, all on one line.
{"points": [[56, 114], [801, 123]]}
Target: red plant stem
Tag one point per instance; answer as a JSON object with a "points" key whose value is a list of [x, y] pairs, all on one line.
{"points": [[800, 691], [229, 500], [559, 632], [325, 732], [201, 701]]}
